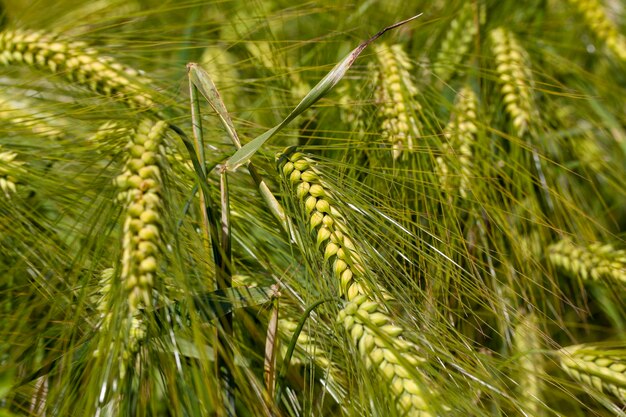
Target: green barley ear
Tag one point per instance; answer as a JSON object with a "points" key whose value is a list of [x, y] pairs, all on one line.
{"points": [[221, 64], [527, 341], [102, 300], [380, 345], [603, 28], [395, 94], [77, 63], [110, 135], [140, 191], [105, 309], [515, 77], [597, 261], [603, 369], [274, 61], [455, 166], [457, 42], [325, 222], [352, 112], [10, 166], [308, 346], [378, 341], [132, 327], [18, 115]]}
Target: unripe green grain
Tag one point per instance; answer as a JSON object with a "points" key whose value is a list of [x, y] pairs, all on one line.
{"points": [[77, 62], [396, 94], [602, 27], [515, 76], [143, 210], [596, 367], [597, 261], [457, 41], [457, 154], [10, 166], [367, 324]]}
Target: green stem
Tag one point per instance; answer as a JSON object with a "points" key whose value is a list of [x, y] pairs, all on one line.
{"points": [[292, 346], [224, 281], [203, 83], [196, 120]]}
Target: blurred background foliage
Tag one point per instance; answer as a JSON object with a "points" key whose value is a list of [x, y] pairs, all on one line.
{"points": [[477, 157]]}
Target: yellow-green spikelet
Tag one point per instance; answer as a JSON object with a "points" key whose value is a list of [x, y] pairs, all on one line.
{"points": [[457, 151], [19, 116], [136, 330], [527, 342], [77, 63], [594, 366], [9, 167], [396, 93], [377, 339], [352, 112], [110, 131], [221, 64], [596, 18], [133, 325], [515, 78], [456, 43], [307, 344], [597, 261], [381, 347], [140, 189]]}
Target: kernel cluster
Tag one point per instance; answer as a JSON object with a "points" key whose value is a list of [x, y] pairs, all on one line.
{"points": [[379, 342], [77, 63], [8, 166], [602, 369], [396, 92], [515, 78], [460, 134], [140, 189], [597, 261]]}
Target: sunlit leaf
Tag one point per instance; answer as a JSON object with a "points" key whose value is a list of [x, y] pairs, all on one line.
{"points": [[320, 90]]}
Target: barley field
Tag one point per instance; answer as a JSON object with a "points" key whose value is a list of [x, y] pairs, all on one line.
{"points": [[270, 208]]}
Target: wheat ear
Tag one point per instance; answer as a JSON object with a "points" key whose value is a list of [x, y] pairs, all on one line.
{"points": [[140, 190], [9, 167], [593, 366], [372, 332], [456, 43], [515, 77], [396, 93], [597, 261], [76, 62], [457, 152], [596, 18]]}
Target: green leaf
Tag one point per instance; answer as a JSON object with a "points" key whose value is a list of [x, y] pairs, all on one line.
{"points": [[190, 349], [215, 304], [203, 82], [226, 300], [331, 79], [184, 347], [292, 346]]}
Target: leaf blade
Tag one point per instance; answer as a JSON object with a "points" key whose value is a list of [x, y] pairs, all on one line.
{"points": [[326, 84]]}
